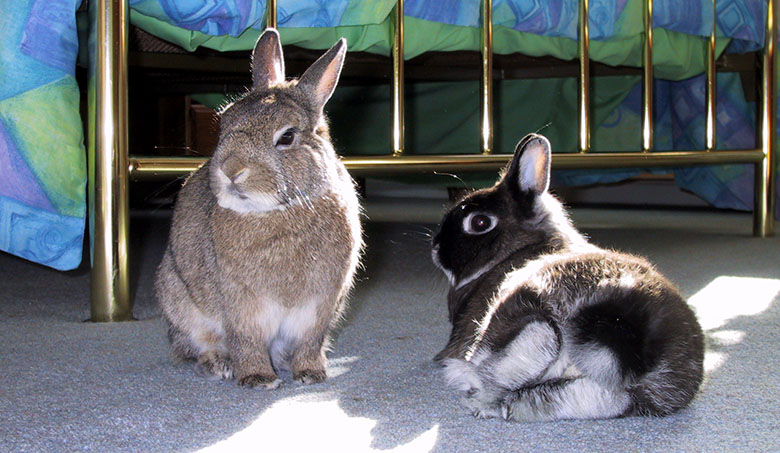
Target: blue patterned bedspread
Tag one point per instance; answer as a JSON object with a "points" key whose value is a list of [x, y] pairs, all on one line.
{"points": [[738, 19], [42, 158]]}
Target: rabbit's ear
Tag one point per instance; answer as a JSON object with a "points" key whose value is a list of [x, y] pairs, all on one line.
{"points": [[530, 167], [267, 60], [319, 81]]}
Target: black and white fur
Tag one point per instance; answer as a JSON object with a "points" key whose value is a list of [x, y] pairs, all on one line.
{"points": [[547, 326]]}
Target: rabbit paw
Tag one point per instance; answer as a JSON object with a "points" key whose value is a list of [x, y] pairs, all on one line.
{"points": [[214, 365], [518, 409], [258, 380], [484, 403], [309, 376]]}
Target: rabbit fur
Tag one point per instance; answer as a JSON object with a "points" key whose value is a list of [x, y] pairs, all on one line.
{"points": [[547, 326], [266, 236]]}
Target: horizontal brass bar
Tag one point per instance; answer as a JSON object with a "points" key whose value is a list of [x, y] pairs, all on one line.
{"points": [[144, 168]]}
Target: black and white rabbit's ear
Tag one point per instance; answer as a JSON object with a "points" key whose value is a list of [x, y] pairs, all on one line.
{"points": [[530, 167], [319, 81], [267, 60]]}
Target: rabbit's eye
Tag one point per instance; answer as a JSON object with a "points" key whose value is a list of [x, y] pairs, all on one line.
{"points": [[287, 138], [478, 223]]}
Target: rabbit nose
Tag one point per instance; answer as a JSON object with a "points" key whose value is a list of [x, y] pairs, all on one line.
{"points": [[240, 176], [235, 170]]}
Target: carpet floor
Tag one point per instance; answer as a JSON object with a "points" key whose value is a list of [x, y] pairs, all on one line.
{"points": [[70, 385]]}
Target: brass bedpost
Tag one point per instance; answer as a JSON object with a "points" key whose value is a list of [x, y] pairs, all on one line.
{"points": [[398, 80], [270, 14], [710, 132], [765, 173], [647, 79], [108, 153], [486, 119], [584, 86]]}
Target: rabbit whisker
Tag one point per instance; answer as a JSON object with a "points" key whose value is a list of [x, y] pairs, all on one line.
{"points": [[419, 235], [165, 186], [544, 127], [303, 199], [438, 173]]}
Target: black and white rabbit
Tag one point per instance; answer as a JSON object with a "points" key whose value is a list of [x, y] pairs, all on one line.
{"points": [[547, 326], [266, 236]]}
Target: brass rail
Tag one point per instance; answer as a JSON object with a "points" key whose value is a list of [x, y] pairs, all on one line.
{"points": [[647, 79], [143, 168], [486, 117], [111, 167], [270, 14], [712, 91], [108, 153], [398, 80], [766, 171], [584, 79]]}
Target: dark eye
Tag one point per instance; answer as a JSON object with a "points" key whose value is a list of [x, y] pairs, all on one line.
{"points": [[287, 138], [478, 223]]}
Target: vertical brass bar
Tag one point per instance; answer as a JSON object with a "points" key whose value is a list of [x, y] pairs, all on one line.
{"points": [[709, 138], [487, 77], [763, 214], [108, 152], [270, 14], [398, 80], [584, 88], [647, 91]]}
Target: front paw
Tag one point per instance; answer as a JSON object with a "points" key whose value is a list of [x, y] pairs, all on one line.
{"points": [[310, 376], [518, 409], [259, 380], [484, 403], [214, 365]]}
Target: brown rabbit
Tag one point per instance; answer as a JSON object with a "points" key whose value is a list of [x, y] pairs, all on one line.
{"points": [[266, 236]]}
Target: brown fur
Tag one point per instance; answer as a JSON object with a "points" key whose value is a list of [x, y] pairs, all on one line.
{"points": [[248, 287]]}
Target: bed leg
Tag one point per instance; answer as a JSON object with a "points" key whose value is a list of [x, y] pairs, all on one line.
{"points": [[108, 161], [763, 211]]}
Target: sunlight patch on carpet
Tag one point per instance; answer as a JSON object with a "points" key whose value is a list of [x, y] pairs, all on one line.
{"points": [[340, 365], [713, 360], [292, 425], [728, 297]]}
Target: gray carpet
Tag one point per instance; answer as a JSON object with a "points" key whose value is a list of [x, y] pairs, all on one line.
{"points": [[68, 385]]}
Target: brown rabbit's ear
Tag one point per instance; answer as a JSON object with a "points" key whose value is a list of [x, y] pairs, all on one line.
{"points": [[530, 167], [319, 81], [267, 60]]}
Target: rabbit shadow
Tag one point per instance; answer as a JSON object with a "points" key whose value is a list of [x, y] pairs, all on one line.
{"points": [[149, 231], [386, 255]]}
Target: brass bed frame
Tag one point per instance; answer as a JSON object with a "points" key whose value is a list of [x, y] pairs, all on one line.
{"points": [[112, 166]]}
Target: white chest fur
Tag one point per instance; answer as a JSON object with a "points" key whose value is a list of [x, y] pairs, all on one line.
{"points": [[284, 327]]}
